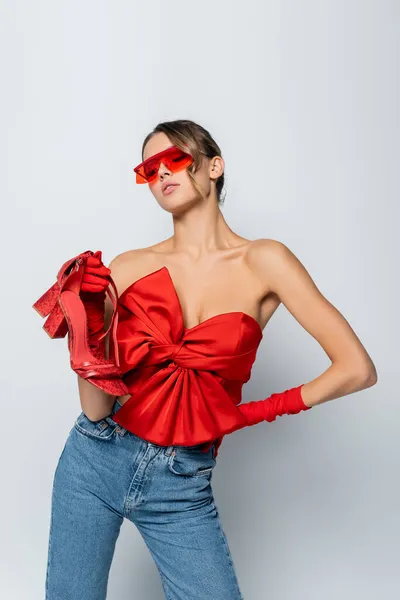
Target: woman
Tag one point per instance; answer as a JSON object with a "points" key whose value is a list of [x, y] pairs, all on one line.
{"points": [[191, 313]]}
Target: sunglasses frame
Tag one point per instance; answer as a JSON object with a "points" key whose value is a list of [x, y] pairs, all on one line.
{"points": [[140, 178]]}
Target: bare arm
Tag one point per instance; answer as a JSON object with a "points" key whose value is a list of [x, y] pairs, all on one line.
{"points": [[352, 368], [96, 403]]}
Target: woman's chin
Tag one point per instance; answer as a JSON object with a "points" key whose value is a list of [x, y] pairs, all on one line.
{"points": [[176, 206]]}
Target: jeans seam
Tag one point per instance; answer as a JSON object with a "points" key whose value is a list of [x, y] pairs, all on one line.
{"points": [[50, 544], [127, 502], [162, 576], [166, 585], [227, 551], [49, 556], [147, 474]]}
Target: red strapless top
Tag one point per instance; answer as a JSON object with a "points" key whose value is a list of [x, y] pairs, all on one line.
{"points": [[185, 383]]}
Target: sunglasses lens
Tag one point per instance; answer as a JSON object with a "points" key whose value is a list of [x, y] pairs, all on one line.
{"points": [[173, 158]]}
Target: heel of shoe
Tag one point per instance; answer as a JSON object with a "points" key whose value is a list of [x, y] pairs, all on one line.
{"points": [[102, 373], [46, 306], [70, 275]]}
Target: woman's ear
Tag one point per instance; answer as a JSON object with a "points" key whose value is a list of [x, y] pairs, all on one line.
{"points": [[217, 166]]}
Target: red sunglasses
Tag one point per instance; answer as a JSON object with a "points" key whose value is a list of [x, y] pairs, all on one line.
{"points": [[173, 158]]}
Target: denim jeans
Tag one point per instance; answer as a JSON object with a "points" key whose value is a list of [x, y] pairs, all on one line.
{"points": [[105, 474]]}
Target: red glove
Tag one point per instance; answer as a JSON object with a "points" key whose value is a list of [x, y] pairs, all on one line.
{"points": [[289, 402], [93, 294]]}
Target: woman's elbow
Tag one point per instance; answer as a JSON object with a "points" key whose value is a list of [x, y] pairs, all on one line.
{"points": [[367, 375]]}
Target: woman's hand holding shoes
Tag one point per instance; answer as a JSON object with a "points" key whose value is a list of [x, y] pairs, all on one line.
{"points": [[93, 294]]}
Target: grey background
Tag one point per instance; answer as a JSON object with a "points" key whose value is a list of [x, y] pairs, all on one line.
{"points": [[303, 98]]}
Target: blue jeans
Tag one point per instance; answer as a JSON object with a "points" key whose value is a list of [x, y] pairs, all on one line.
{"points": [[106, 473]]}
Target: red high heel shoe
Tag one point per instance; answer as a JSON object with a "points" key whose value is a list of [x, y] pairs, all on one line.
{"points": [[66, 312]]}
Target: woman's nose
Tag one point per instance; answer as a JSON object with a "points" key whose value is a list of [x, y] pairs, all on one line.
{"points": [[162, 169]]}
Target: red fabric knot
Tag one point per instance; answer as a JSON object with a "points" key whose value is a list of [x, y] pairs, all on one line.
{"points": [[176, 348]]}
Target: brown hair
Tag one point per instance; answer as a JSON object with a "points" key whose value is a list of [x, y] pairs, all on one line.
{"points": [[192, 137]]}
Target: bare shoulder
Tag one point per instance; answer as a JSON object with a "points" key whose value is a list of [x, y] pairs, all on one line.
{"points": [[265, 250], [270, 260], [126, 259], [130, 265]]}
